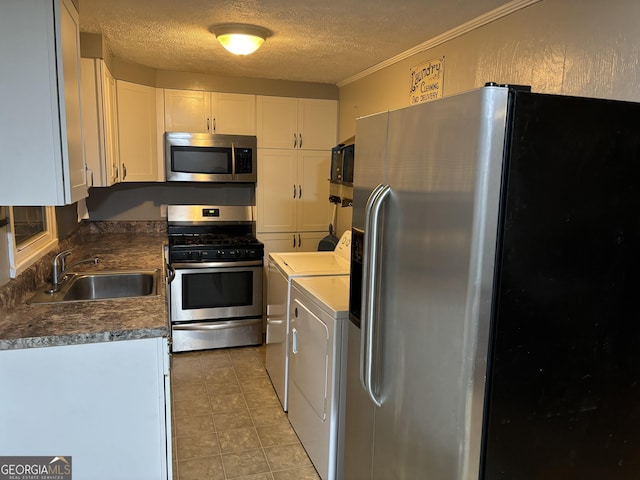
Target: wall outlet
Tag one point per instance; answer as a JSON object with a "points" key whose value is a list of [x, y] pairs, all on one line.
{"points": [[163, 210]]}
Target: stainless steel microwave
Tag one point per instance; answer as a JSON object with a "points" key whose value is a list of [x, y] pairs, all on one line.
{"points": [[204, 157]]}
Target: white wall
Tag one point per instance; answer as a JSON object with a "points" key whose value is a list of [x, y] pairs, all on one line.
{"points": [[572, 47]]}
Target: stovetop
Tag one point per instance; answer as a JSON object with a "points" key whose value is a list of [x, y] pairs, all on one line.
{"points": [[206, 233], [213, 241], [214, 247]]}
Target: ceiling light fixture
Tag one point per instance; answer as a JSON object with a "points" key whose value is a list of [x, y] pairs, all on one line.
{"points": [[239, 38]]}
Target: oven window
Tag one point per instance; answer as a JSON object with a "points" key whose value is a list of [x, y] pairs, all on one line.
{"points": [[201, 160], [216, 290]]}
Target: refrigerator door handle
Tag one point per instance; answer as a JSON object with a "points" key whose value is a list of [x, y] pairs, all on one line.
{"points": [[370, 287]]}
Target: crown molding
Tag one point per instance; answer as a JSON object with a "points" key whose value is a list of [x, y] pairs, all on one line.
{"points": [[458, 31]]}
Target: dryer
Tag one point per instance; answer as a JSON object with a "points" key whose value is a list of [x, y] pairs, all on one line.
{"points": [[283, 268], [317, 368]]}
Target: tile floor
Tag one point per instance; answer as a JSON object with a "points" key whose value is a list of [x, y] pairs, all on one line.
{"points": [[227, 421]]}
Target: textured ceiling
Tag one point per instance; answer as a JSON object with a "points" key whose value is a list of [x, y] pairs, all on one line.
{"points": [[313, 40]]}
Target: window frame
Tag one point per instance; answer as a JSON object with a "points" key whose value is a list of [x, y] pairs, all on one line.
{"points": [[35, 248]]}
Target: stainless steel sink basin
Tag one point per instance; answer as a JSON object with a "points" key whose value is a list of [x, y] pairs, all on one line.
{"points": [[87, 286]]}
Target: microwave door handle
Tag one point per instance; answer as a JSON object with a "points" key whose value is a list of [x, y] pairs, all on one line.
{"points": [[233, 161]]}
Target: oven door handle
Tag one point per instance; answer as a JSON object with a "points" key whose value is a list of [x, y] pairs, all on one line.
{"points": [[171, 273], [232, 264], [216, 325]]}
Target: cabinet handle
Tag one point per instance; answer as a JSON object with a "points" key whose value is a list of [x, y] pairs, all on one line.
{"points": [[294, 190], [214, 124], [300, 135], [294, 240], [295, 140], [208, 125], [299, 241], [299, 191], [117, 174], [124, 171]]}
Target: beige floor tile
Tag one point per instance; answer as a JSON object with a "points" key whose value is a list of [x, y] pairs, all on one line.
{"points": [[227, 403], [283, 457], [260, 476], [220, 375], [194, 425], [228, 422], [248, 462], [196, 446], [267, 416], [262, 398], [191, 407], [216, 361], [303, 473], [232, 420], [278, 434], [223, 388], [188, 375], [256, 384], [207, 468], [238, 440], [189, 392]]}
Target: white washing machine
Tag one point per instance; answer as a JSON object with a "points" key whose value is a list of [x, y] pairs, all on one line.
{"points": [[319, 316], [283, 268]]}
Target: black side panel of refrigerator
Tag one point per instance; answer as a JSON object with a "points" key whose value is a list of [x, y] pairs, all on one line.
{"points": [[563, 397]]}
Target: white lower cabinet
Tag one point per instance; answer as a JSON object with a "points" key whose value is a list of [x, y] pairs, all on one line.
{"points": [[105, 405], [290, 241]]}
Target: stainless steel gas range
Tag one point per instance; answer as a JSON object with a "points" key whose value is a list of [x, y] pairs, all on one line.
{"points": [[215, 289]]}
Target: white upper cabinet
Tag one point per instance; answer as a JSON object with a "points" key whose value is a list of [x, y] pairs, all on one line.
{"points": [[292, 192], [137, 133], [100, 123], [41, 134], [300, 123], [209, 112]]}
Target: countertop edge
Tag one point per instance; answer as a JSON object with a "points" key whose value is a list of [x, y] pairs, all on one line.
{"points": [[81, 338]]}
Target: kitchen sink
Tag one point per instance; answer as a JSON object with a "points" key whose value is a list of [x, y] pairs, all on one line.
{"points": [[88, 286]]}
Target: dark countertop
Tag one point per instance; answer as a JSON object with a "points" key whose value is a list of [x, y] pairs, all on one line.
{"points": [[39, 325]]}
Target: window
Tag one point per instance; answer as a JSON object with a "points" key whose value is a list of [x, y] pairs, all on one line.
{"points": [[32, 234]]}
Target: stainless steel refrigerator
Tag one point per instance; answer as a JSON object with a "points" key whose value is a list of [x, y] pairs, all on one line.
{"points": [[495, 326]]}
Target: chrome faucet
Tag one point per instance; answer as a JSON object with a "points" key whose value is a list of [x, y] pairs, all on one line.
{"points": [[59, 268]]}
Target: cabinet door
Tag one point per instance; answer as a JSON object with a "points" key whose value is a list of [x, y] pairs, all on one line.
{"points": [[277, 190], [317, 124], [99, 123], [233, 113], [110, 106], [39, 40], [91, 123], [73, 147], [137, 132], [277, 122], [308, 241], [187, 111], [278, 242], [313, 208]]}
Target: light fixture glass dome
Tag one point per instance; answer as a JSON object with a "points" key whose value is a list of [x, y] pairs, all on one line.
{"points": [[240, 39]]}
